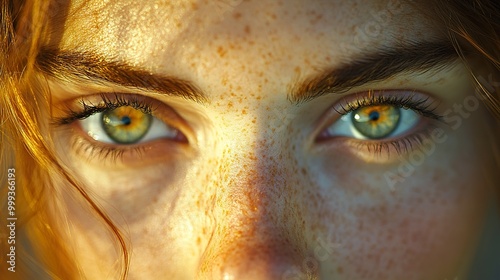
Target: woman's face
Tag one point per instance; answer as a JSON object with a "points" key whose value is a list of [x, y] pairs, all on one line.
{"points": [[287, 139]]}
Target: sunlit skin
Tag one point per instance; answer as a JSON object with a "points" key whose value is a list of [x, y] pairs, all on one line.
{"points": [[250, 193]]}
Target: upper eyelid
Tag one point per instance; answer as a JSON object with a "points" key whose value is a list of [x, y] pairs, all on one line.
{"points": [[99, 102], [422, 103], [87, 106]]}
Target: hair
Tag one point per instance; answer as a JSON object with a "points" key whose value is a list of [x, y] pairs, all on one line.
{"points": [[27, 145], [27, 25]]}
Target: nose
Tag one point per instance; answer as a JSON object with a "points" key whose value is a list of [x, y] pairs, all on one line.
{"points": [[244, 259], [258, 230]]}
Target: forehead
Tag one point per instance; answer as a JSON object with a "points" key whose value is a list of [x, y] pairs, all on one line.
{"points": [[159, 31]]}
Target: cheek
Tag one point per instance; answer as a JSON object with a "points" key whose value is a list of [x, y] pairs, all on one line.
{"points": [[128, 195], [423, 232], [150, 206], [423, 225]]}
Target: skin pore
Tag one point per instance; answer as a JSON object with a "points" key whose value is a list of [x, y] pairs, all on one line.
{"points": [[249, 192]]}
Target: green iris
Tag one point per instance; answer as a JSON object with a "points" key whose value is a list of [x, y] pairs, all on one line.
{"points": [[376, 122], [126, 125]]}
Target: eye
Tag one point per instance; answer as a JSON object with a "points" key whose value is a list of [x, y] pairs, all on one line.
{"points": [[126, 125], [380, 117], [374, 122]]}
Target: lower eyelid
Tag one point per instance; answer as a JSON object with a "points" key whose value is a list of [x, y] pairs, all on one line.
{"points": [[389, 151], [135, 155], [380, 151]]}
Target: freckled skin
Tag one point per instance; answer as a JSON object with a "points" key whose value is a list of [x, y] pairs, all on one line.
{"points": [[256, 198]]}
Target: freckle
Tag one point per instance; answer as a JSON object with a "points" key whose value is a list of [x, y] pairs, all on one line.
{"points": [[237, 15], [221, 51], [198, 241], [340, 270], [243, 112], [224, 81], [247, 29]]}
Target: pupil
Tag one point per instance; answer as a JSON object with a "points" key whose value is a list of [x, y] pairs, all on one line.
{"points": [[374, 116], [126, 120]]}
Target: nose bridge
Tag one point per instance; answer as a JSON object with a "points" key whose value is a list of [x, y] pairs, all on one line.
{"points": [[251, 169], [256, 234], [253, 186]]}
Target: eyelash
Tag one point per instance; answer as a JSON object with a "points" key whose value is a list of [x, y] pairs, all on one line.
{"points": [[106, 104], [420, 105], [402, 145]]}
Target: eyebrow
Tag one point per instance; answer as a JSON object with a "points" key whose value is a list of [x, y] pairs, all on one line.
{"points": [[375, 66], [83, 66]]}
